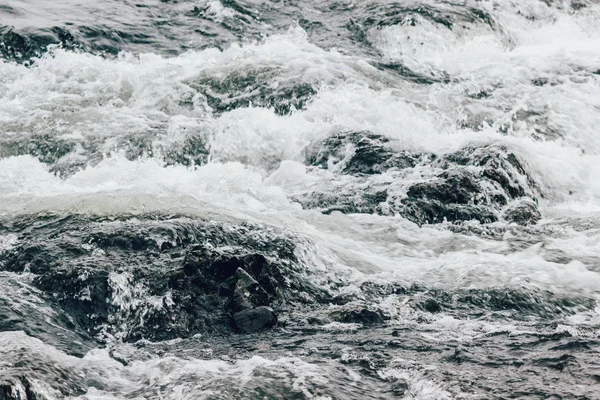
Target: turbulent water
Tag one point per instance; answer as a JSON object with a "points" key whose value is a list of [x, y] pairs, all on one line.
{"points": [[299, 199]]}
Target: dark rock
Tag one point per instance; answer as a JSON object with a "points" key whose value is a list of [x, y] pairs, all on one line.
{"points": [[451, 187], [463, 193], [431, 306], [359, 153], [388, 14], [406, 73], [156, 278], [498, 164], [474, 183], [255, 320], [315, 321], [363, 316], [435, 212], [23, 46], [193, 150], [247, 292], [189, 148], [459, 356], [370, 158], [576, 345], [240, 299], [87, 297], [47, 148], [25, 308], [523, 212]]}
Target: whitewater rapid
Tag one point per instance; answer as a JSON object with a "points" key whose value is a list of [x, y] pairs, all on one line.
{"points": [[137, 139]]}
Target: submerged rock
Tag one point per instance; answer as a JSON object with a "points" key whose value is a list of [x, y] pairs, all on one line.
{"points": [[23, 310], [431, 305], [255, 320], [522, 212], [253, 87], [364, 201], [23, 46], [65, 157], [434, 212], [454, 195], [362, 316], [46, 148]]}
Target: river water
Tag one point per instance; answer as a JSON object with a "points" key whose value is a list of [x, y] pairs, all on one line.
{"points": [[253, 199]]}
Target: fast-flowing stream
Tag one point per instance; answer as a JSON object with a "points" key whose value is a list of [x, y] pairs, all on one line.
{"points": [[286, 199]]}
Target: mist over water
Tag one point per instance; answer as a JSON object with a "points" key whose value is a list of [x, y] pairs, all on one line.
{"points": [[303, 200]]}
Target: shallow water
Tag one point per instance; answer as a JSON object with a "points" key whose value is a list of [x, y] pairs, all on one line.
{"points": [[412, 188]]}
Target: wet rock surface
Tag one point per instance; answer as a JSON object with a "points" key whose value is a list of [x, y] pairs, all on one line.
{"points": [[362, 316], [472, 184], [359, 153], [522, 212], [496, 163], [255, 319], [134, 279], [23, 308]]}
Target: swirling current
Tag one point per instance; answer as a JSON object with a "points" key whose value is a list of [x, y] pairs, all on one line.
{"points": [[284, 199]]}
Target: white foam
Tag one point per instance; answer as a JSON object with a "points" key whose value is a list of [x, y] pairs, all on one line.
{"points": [[7, 242], [174, 378]]}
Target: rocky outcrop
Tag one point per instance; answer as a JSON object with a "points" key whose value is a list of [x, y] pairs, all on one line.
{"points": [[474, 183], [495, 163], [159, 279], [367, 201], [455, 195], [522, 212], [359, 153], [255, 319]]}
